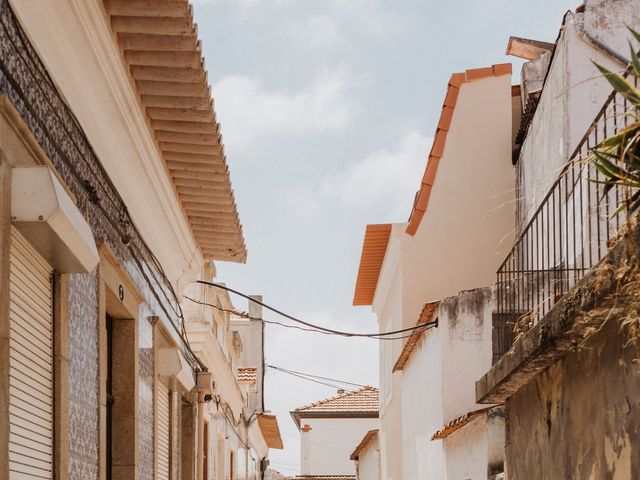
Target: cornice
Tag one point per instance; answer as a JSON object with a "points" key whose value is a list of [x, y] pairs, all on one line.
{"points": [[91, 17]]}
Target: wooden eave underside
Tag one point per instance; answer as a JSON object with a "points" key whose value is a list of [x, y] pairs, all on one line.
{"points": [[160, 48]]}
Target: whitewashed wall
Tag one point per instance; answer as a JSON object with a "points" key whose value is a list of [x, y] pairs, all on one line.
{"points": [[327, 448], [369, 461], [573, 94], [464, 236]]}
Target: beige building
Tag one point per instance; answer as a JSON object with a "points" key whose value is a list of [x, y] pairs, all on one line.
{"points": [[116, 197], [437, 270]]}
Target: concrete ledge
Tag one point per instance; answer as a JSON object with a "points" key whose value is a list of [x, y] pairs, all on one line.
{"points": [[575, 317]]}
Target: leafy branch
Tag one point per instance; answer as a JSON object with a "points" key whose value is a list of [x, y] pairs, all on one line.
{"points": [[617, 158]]}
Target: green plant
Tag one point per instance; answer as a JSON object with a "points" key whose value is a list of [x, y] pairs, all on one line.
{"points": [[617, 158]]}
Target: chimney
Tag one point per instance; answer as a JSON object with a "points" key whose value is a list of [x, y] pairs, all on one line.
{"points": [[340, 391], [255, 310]]}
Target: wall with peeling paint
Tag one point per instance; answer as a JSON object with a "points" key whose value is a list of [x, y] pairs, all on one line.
{"points": [[580, 418], [438, 386]]}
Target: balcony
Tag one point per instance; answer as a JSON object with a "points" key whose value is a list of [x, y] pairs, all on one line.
{"points": [[570, 232]]}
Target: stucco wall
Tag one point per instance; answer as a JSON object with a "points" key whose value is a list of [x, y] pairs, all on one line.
{"points": [[574, 92], [466, 452], [466, 322], [422, 406], [327, 448], [438, 384], [580, 418], [467, 229], [389, 310], [473, 191], [369, 461]]}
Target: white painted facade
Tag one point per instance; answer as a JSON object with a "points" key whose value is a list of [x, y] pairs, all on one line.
{"points": [[234, 451], [368, 463], [574, 91], [326, 448], [463, 237], [438, 387]]}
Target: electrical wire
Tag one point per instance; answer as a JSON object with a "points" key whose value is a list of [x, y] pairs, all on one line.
{"points": [[326, 384], [318, 327], [415, 329], [285, 370]]}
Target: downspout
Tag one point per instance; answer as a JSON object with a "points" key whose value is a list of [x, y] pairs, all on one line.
{"points": [[200, 453], [205, 394]]}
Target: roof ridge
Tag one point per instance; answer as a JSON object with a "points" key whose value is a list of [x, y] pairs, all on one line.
{"points": [[337, 397]]}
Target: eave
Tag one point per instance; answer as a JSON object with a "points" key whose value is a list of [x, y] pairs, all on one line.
{"points": [[161, 51]]}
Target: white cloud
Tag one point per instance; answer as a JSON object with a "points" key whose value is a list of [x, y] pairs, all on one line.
{"points": [[385, 181], [248, 110], [339, 21], [317, 32]]}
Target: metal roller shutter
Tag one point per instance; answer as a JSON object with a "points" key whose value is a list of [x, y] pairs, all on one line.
{"points": [[30, 362], [164, 431]]}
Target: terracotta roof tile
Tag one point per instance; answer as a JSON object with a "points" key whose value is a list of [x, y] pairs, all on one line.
{"points": [[370, 435], [374, 246], [458, 423], [360, 403], [247, 375], [426, 316], [439, 141], [270, 430]]}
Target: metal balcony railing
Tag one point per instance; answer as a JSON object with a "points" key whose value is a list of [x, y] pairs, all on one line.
{"points": [[568, 234]]}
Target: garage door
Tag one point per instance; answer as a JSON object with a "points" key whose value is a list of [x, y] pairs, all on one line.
{"points": [[163, 432], [30, 363]]}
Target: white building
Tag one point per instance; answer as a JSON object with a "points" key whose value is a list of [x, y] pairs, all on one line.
{"points": [[367, 457], [460, 228], [330, 428]]}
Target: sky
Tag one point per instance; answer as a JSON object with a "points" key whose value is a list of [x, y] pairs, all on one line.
{"points": [[328, 109]]}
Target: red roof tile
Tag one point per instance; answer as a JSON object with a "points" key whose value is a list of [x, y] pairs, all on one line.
{"points": [[458, 423], [370, 435], [440, 138], [428, 311], [374, 247], [361, 403], [247, 375]]}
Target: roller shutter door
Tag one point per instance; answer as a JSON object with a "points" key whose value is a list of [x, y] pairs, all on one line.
{"points": [[164, 430], [30, 362]]}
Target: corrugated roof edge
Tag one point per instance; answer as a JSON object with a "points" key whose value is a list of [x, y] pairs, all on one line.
{"points": [[439, 139]]}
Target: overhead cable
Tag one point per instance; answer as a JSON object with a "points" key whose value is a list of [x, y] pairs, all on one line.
{"points": [[285, 370], [379, 335], [424, 326]]}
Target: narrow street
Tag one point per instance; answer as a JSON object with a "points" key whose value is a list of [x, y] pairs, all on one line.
{"points": [[336, 240]]}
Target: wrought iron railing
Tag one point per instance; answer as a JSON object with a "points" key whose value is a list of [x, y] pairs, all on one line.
{"points": [[568, 234], [24, 80]]}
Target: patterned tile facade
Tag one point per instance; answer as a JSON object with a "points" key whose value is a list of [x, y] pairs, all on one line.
{"points": [[145, 389], [83, 376], [25, 82]]}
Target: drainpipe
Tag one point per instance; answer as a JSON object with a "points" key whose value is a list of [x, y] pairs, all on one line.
{"points": [[200, 450], [205, 393]]}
